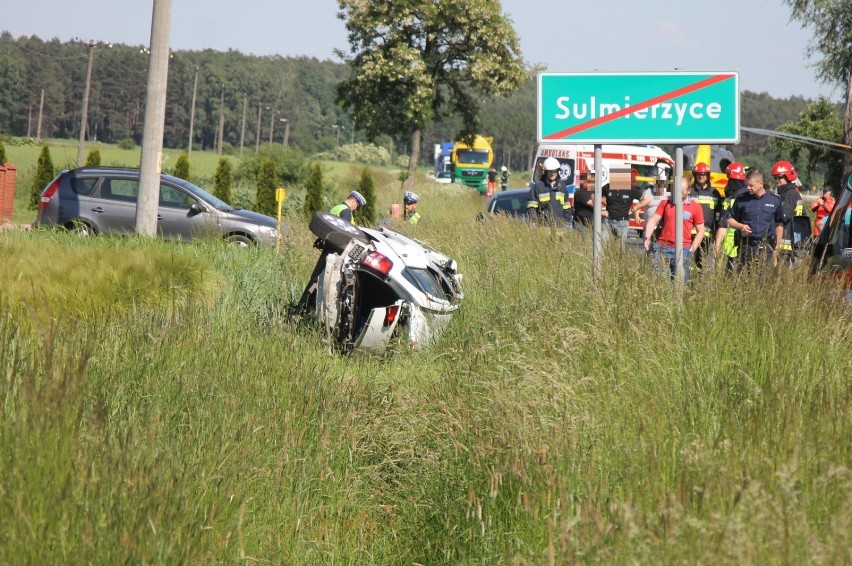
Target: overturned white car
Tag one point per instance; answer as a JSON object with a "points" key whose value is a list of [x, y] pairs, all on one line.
{"points": [[369, 284]]}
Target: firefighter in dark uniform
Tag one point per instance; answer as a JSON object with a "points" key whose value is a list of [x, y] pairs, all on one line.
{"points": [[725, 237], [708, 197], [548, 199], [758, 218], [785, 175]]}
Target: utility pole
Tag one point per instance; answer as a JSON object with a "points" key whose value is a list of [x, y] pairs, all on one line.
{"points": [[192, 113], [257, 143], [286, 133], [40, 112], [243, 128], [220, 135], [155, 117], [85, 114], [271, 122], [30, 121], [337, 127]]}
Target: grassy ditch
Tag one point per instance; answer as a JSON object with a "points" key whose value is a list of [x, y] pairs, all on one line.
{"points": [[184, 418]]}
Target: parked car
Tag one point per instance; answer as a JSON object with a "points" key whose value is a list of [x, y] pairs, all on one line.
{"points": [[370, 284], [512, 202], [100, 200], [444, 177], [832, 252]]}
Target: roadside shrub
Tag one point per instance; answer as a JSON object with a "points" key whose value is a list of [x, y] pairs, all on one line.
{"points": [[93, 159], [44, 175], [367, 154], [181, 170], [313, 191], [367, 215], [402, 161], [2, 153], [291, 167], [126, 143], [266, 185], [222, 180]]}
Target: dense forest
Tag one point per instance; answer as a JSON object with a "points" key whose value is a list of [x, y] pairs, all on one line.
{"points": [[262, 99]]}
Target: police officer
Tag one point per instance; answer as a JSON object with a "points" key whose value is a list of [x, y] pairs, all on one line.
{"points": [[410, 214], [548, 198], [725, 237], [758, 217], [791, 199], [708, 197], [348, 206]]}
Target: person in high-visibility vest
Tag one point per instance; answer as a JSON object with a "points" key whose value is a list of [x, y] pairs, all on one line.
{"points": [[791, 200], [708, 197], [548, 198], [822, 208], [349, 205], [410, 214], [726, 243]]}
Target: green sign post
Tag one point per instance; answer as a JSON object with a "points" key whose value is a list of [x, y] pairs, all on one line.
{"points": [[678, 108]]}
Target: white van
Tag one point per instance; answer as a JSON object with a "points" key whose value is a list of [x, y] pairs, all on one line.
{"points": [[646, 163]]}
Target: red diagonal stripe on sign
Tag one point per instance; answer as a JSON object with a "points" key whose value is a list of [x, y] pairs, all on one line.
{"points": [[641, 106]]}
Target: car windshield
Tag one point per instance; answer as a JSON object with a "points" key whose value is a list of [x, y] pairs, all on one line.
{"points": [[213, 201], [510, 205]]}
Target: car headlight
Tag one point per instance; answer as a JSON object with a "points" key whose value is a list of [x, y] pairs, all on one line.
{"points": [[267, 231]]}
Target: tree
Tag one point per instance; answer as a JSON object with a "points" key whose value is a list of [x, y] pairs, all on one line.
{"points": [[313, 191], [93, 159], [266, 185], [222, 180], [2, 153], [182, 167], [44, 175], [417, 61], [832, 24], [366, 215], [818, 120]]}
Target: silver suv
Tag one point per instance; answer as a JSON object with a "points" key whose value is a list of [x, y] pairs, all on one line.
{"points": [[98, 200]]}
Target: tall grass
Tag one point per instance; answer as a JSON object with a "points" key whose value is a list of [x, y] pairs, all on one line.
{"points": [[559, 419]]}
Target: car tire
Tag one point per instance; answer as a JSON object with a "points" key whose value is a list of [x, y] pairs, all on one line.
{"points": [[323, 223], [80, 228], [239, 240]]}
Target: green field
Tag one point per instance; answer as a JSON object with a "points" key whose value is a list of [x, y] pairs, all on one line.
{"points": [[159, 405]]}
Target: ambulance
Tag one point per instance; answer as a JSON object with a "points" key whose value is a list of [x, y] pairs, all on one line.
{"points": [[647, 164]]}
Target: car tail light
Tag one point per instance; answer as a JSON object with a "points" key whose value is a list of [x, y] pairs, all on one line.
{"points": [[48, 194], [378, 264], [390, 315]]}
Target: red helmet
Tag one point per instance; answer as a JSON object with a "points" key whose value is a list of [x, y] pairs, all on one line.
{"points": [[736, 171], [701, 168], [784, 169]]}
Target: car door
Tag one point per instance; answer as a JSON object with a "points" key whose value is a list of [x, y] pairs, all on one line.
{"points": [[115, 210], [176, 217]]}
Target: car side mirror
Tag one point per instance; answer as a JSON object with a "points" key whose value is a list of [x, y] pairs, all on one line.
{"points": [[197, 208]]}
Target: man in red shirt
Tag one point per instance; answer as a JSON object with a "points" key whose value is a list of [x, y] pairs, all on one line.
{"points": [[664, 248], [822, 207]]}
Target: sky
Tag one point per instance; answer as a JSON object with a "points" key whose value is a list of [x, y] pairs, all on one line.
{"points": [[754, 38]]}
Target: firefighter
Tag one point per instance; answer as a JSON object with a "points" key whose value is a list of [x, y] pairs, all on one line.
{"points": [[348, 206], [791, 199], [504, 178], [725, 242], [759, 218], [410, 214], [548, 197], [708, 197]]}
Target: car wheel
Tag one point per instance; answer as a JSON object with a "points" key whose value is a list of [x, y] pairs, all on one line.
{"points": [[81, 229], [322, 224], [239, 240]]}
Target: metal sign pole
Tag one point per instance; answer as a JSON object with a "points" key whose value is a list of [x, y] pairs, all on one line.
{"points": [[597, 248], [678, 200]]}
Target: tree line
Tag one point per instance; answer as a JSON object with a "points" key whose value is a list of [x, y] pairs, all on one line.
{"points": [[259, 97]]}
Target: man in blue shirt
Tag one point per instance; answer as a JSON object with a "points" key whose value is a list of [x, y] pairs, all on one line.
{"points": [[758, 218]]}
